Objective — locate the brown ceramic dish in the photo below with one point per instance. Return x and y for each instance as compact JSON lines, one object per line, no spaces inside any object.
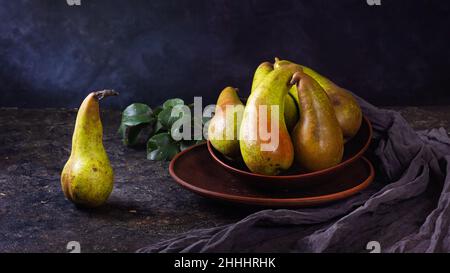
{"x":295,"y":177}
{"x":195,"y":170}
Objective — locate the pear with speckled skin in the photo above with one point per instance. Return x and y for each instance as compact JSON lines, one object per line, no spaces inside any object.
{"x":260,"y":73}
{"x":87,"y":177}
{"x":348,"y":112}
{"x":317,"y":137}
{"x":265,"y":143}
{"x":345,"y":106}
{"x":290,"y":107}
{"x":223,"y":130}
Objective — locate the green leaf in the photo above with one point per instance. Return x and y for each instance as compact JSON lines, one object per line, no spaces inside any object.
{"x":136,"y":135}
{"x":161,"y":147}
{"x":172,"y":102}
{"x":137,"y":124}
{"x":137,"y":113}
{"x":156,"y":111}
{"x":157,"y":127}
{"x":166,"y":119}
{"x":181,"y":123}
{"x":131,"y":136}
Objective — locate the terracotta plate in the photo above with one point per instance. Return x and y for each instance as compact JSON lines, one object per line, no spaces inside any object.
{"x":195,"y":170}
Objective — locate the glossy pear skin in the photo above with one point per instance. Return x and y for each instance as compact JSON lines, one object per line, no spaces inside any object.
{"x":260,"y":73}
{"x":346,"y":107}
{"x":317,"y":137}
{"x":87,"y":177}
{"x":271,"y":91}
{"x":224,"y":126}
{"x":291,"y":113}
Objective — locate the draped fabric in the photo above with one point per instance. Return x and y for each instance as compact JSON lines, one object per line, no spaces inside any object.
{"x":406,"y":209}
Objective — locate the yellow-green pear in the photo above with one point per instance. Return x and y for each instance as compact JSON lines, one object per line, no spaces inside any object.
{"x":317,"y":137}
{"x":87,"y":177}
{"x":260,"y":73}
{"x":291,"y":113}
{"x":348,"y":112}
{"x":223,"y":130}
{"x":265,"y":143}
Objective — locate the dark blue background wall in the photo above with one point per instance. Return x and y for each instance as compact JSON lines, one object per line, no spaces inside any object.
{"x":52,"y":54}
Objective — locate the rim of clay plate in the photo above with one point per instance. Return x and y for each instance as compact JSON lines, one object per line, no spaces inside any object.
{"x":313,"y":200}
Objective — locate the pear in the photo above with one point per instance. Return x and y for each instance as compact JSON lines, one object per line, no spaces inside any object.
{"x":317,"y":137}
{"x":261,"y":71}
{"x":265,"y":143}
{"x":223,"y":130}
{"x":347,"y":109}
{"x":279,"y":63}
{"x":87,"y":177}
{"x":291,"y":113}
{"x":348,"y":112}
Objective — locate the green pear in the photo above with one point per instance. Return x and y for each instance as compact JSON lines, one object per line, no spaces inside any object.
{"x":87,"y":177}
{"x":280,"y":63}
{"x":265,"y":143}
{"x":223,"y":130}
{"x":347,"y":109}
{"x":317,"y":137}
{"x":260,"y":73}
{"x":348,"y":112}
{"x":291,"y":113}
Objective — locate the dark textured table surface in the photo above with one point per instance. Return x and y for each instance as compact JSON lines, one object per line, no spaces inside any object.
{"x":145,"y":206}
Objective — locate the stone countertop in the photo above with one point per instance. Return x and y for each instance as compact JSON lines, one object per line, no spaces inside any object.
{"x":145,"y":207}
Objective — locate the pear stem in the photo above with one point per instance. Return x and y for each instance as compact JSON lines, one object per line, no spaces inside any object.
{"x":105,"y":93}
{"x":296,"y":77}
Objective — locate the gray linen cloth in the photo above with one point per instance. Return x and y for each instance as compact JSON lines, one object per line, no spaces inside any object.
{"x":407,"y":208}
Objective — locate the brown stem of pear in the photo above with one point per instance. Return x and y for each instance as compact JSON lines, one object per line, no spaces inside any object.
{"x":296,"y":77}
{"x":105,"y":93}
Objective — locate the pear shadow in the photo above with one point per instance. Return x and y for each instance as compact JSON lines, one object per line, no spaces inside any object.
{"x":117,"y":210}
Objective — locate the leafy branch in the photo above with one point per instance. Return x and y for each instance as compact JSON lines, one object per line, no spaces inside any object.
{"x":143,"y":127}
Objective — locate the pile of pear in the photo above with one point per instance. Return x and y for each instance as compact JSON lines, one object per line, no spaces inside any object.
{"x":316,"y":118}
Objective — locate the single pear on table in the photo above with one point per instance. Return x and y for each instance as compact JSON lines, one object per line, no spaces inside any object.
{"x":317,"y":137}
{"x":348,"y":112}
{"x":265,"y":143}
{"x":223,"y":130}
{"x":87,"y":177}
{"x":291,"y":114}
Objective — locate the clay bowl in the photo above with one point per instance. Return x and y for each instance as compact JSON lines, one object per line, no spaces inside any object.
{"x":295,"y":177}
{"x":195,"y":170}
